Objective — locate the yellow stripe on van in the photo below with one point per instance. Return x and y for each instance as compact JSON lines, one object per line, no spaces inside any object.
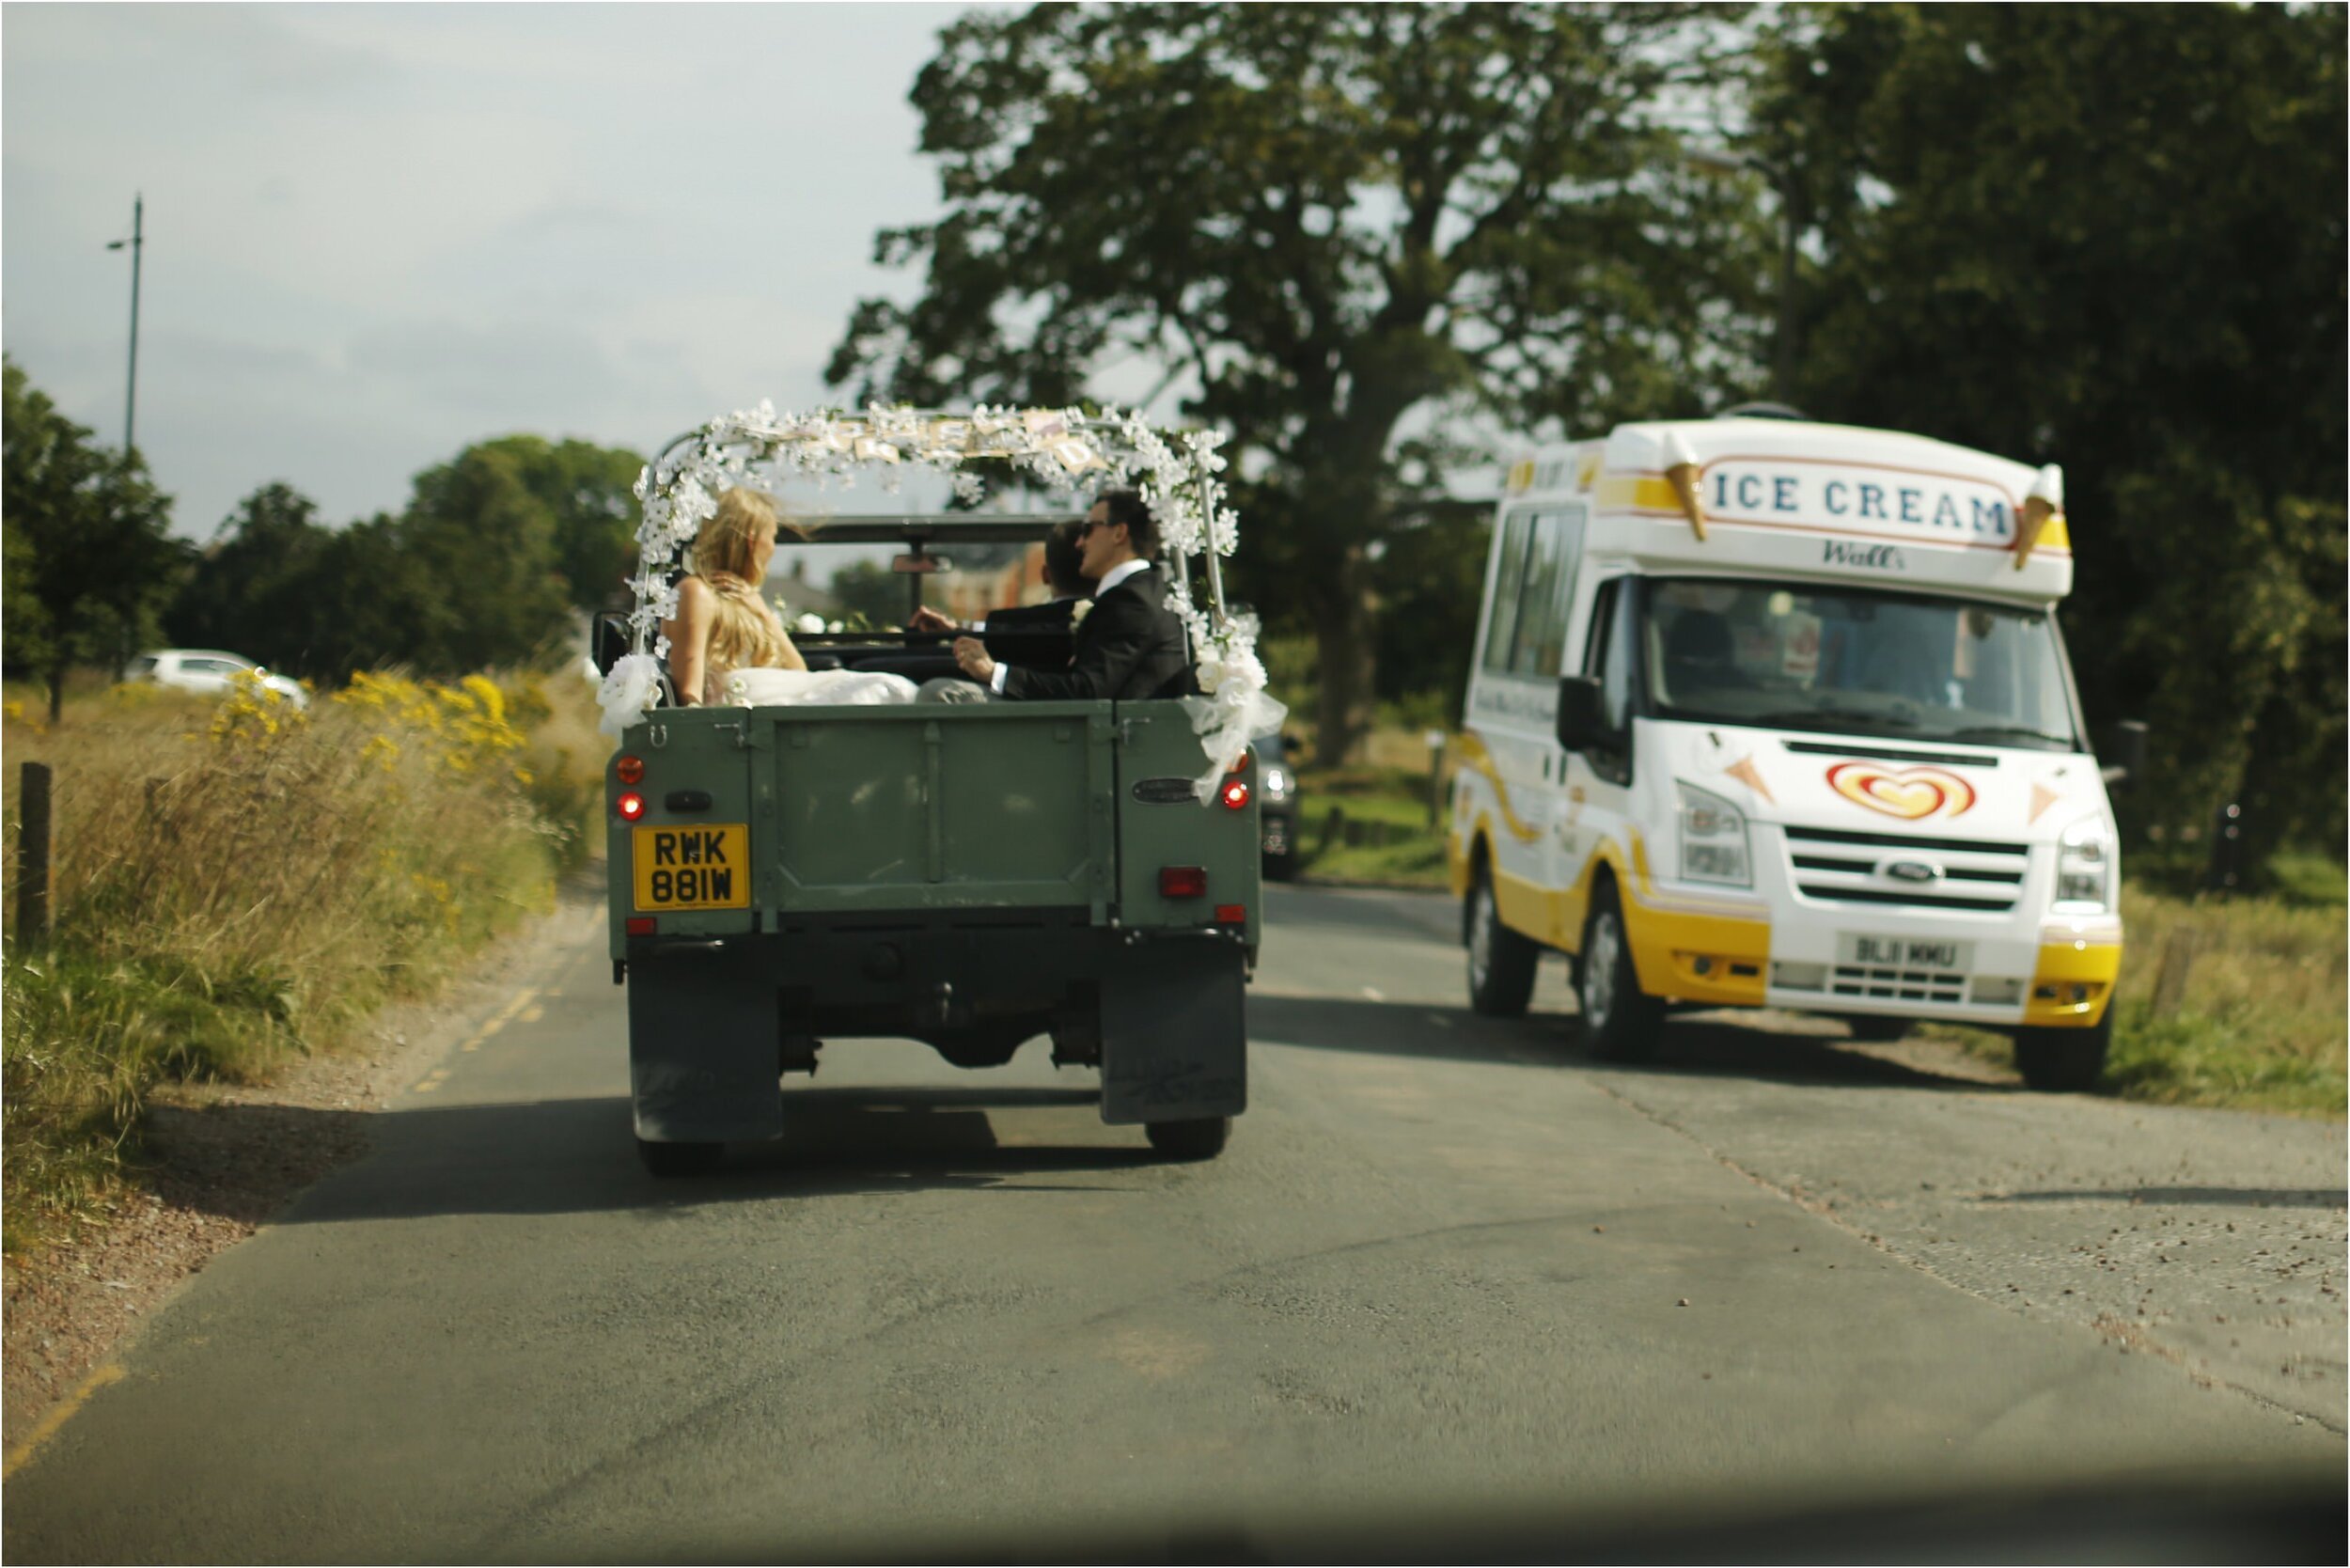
{"x":1699,"y":958}
{"x":2063,"y":967}
{"x":1639,"y":493}
{"x":1720,"y":960}
{"x":1475,"y":757}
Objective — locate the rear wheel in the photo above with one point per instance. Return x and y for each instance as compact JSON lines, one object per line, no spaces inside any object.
{"x":1620,"y":1022}
{"x":679,"y":1159}
{"x":2065,"y":1061}
{"x":1202,"y":1138}
{"x":1501,"y":962}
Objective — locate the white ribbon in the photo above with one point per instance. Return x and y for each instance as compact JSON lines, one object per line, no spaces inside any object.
{"x":628,"y":691}
{"x":1235,"y":710}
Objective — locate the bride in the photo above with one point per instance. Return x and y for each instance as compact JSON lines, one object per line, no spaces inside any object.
{"x":727,"y":645}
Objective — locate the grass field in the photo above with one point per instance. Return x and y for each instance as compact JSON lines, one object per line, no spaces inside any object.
{"x":236,"y":883}
{"x":2256,"y":1021}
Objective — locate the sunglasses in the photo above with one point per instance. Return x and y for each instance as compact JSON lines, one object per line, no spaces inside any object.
{"x":1086,"y":529}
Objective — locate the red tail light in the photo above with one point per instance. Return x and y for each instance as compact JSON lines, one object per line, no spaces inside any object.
{"x":1182,"y":882}
{"x":643,"y":925}
{"x":1240,"y":762}
{"x":1231,"y":914}
{"x":628,"y":770}
{"x":631,"y":805}
{"x":1234,"y":795}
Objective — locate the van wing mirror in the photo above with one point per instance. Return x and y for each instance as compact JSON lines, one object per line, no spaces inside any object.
{"x":2121,"y":752}
{"x":1582,"y":714}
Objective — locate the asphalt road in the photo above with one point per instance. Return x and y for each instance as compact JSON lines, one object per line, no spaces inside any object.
{"x":1447,"y":1266}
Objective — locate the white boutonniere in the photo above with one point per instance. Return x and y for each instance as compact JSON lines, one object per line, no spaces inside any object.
{"x":1085,"y":608}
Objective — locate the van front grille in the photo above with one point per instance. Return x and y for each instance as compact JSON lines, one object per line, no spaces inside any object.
{"x":1834,"y":866}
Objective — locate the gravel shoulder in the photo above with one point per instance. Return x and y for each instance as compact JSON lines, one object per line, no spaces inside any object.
{"x":220,"y":1161}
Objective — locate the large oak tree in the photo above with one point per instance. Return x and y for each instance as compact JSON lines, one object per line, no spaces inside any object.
{"x":2111,"y":237}
{"x":1327,"y":228}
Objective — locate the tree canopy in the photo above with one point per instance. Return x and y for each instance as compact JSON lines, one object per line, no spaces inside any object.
{"x":486,"y":565}
{"x":2110,"y":238}
{"x":1320,"y":224}
{"x":91,"y":560}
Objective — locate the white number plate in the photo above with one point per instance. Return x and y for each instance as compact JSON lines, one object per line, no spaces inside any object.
{"x":1904,"y":953}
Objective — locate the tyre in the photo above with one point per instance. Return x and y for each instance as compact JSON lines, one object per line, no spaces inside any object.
{"x":679,"y":1159}
{"x":1200,"y":1139}
{"x":1620,"y":1022}
{"x":1281,"y":867}
{"x":1500,"y":962}
{"x":2065,"y":1061}
{"x":1876,"y":1030}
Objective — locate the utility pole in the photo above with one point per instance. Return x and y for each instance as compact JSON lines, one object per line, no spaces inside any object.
{"x":137,"y":241}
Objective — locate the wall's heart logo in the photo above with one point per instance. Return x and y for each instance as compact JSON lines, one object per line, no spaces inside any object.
{"x":1906,"y":793}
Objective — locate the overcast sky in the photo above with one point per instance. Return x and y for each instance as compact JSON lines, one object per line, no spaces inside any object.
{"x":377,"y":233}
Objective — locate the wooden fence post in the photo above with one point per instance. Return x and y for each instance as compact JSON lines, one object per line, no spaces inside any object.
{"x":1333,"y":829}
{"x":33,"y":835}
{"x":2178,"y":961}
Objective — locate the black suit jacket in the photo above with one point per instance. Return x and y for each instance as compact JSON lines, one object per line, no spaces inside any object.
{"x":1129,"y":646}
{"x":1033,"y":636}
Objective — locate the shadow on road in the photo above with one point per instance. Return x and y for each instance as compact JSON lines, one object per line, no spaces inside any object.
{"x":579,"y":1156}
{"x":1699,"y":1045}
{"x":2244,"y":1198}
{"x":1425,"y":917}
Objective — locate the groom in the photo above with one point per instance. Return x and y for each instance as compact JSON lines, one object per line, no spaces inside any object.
{"x":1129,"y":646}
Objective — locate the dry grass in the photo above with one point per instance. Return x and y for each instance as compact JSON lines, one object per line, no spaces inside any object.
{"x":2258,"y":1023}
{"x":235,"y":883}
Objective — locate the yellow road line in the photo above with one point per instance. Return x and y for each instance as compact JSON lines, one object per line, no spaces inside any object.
{"x":506,"y":1016}
{"x":58,"y":1418}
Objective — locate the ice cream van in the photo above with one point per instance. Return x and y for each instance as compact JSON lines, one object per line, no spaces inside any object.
{"x":1772,"y":714}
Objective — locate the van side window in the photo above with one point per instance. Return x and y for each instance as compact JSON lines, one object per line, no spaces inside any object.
{"x":1531,"y":586}
{"x":1613,"y":655}
{"x":1550,"y":562}
{"x":1508,"y":575}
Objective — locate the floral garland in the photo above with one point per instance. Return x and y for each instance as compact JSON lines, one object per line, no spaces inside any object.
{"x":1056,"y":448}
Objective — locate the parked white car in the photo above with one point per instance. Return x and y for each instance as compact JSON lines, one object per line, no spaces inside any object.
{"x":208,"y":669}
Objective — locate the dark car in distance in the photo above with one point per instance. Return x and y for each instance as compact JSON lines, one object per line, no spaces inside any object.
{"x":1276,"y":805}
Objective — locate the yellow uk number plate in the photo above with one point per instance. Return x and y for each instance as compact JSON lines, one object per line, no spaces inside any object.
{"x":701,"y":866}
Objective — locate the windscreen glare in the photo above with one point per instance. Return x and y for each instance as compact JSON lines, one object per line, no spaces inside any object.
{"x":1852,"y":661}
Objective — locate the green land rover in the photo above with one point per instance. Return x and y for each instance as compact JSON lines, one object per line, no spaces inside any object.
{"x":972,"y":874}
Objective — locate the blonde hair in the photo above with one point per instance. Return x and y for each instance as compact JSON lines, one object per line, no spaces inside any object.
{"x":726,"y":538}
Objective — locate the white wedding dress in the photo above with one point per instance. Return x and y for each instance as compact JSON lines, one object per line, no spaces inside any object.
{"x":801,"y":688}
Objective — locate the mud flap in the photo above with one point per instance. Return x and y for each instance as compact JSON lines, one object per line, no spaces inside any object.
{"x":703,"y":1048}
{"x":1174,"y":1032}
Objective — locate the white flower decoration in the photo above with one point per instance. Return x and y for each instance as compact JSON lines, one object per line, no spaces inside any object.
{"x":628,"y":692}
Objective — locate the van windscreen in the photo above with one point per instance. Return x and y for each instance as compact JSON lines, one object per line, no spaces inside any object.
{"x":1854,"y":661}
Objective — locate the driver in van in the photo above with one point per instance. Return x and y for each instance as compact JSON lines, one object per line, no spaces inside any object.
{"x":1129,"y":646}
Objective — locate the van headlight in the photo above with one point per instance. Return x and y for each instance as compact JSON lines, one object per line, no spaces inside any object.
{"x":1276,"y":780}
{"x":1713,"y":838}
{"x":2086,"y":855}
